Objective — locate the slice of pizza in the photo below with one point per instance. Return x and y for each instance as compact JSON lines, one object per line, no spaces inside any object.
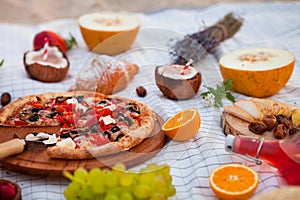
{"x":92,"y":124}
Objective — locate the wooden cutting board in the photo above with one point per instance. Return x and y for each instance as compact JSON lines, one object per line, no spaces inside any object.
{"x":36,"y":161}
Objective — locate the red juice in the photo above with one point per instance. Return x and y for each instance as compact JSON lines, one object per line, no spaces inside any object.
{"x":282,"y":154}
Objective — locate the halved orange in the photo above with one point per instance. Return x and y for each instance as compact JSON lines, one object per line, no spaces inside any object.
{"x":183,"y":125}
{"x":233,"y":181}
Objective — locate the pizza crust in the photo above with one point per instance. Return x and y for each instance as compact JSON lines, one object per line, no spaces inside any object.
{"x":68,"y":153}
{"x":14,"y":107}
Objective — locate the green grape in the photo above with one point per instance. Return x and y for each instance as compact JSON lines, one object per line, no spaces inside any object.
{"x":119,"y":169}
{"x":111,"y":180}
{"x":97,"y":185}
{"x":158,"y":196}
{"x":133,"y":174}
{"x":115,"y":190}
{"x":170,"y":190}
{"x":80,"y":175}
{"x":153,"y":167}
{"x":168,"y":179}
{"x":126,"y":179}
{"x":94,"y":173}
{"x":159,"y":183}
{"x":142,"y":191}
{"x":151,"y":183}
{"x":87,"y":193}
{"x":71,"y":192}
{"x":126,"y":196}
{"x":146,"y":178}
{"x":98,"y":197}
{"x":111,"y":197}
{"x":164,"y":170}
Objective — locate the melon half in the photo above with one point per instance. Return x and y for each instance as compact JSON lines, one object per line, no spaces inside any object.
{"x":257,"y":72}
{"x":109,"y":33}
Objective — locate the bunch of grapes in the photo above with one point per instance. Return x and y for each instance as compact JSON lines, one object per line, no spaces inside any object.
{"x":151,"y":183}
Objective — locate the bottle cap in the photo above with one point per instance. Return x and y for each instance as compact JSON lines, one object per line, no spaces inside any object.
{"x":229,"y":142}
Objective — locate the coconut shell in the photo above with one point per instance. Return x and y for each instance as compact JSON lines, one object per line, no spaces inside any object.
{"x":178,"y":89}
{"x":46,"y":73}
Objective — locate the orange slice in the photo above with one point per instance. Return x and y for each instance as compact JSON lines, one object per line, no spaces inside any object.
{"x":233,"y":181}
{"x":183,"y":125}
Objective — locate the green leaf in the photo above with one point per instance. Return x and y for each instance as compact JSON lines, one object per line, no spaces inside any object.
{"x":71,"y":42}
{"x":227,"y":84}
{"x":230,"y":97}
{"x":204,"y":94}
{"x":220,"y":93}
{"x":1,"y":62}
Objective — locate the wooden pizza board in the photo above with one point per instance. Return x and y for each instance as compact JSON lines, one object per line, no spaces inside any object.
{"x":236,"y":126}
{"x":37,"y":162}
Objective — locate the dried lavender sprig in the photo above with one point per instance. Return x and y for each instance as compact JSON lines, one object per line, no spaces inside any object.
{"x":198,"y":44}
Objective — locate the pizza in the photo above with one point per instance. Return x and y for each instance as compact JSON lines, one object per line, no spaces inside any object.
{"x":91,"y":124}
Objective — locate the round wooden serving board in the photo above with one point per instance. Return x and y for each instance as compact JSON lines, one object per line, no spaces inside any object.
{"x":36,"y":161}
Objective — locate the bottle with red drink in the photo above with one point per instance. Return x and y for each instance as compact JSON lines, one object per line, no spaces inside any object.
{"x":282,"y":154}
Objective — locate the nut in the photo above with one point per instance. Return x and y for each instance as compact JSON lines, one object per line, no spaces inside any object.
{"x":294,"y":129}
{"x":5,"y":98}
{"x":257,"y":127}
{"x":280,"y":131}
{"x":270,"y":121}
{"x":282,"y":119}
{"x":141,"y":91}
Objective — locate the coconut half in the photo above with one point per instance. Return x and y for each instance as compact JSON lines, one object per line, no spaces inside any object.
{"x":178,"y":81}
{"x":50,"y":68}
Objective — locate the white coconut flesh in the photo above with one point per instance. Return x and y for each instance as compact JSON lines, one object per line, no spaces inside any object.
{"x":54,"y":58}
{"x":109,"y":21}
{"x":257,"y":59}
{"x":177,"y":72}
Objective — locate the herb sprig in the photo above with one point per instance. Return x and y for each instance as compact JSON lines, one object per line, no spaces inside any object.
{"x":215,"y":96}
{"x":71,"y":42}
{"x":1,"y":62}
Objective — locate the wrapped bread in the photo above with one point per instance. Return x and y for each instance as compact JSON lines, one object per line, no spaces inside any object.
{"x":106,"y":75}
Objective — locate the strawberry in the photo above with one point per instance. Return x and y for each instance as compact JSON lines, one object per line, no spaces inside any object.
{"x":54,"y":39}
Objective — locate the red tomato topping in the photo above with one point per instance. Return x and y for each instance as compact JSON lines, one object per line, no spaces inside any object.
{"x":20,"y":123}
{"x":60,"y":109}
{"x":104,"y":112}
{"x":60,"y":119}
{"x":69,"y":107}
{"x":98,"y":139}
{"x":37,"y":105}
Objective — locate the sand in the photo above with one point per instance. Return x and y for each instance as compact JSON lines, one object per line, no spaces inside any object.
{"x":36,"y":11}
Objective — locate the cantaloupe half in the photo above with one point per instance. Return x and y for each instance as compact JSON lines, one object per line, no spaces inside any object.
{"x":257,"y":72}
{"x":109,"y":33}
